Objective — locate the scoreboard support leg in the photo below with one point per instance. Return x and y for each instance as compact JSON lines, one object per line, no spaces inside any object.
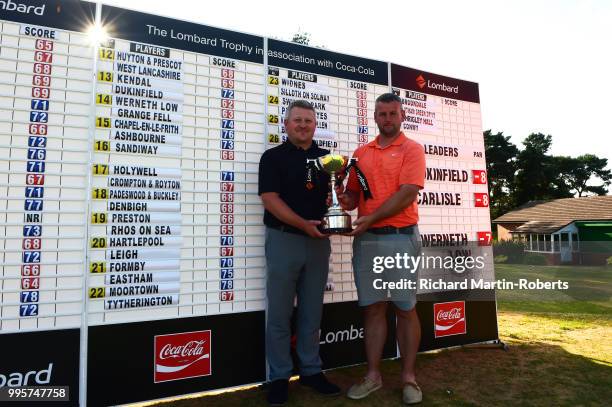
{"x":496,"y":344}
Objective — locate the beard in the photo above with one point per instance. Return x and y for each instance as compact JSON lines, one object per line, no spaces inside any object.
{"x":390,"y":131}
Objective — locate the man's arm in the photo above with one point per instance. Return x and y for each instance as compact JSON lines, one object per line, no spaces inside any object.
{"x":275,"y":205}
{"x":404,"y":197}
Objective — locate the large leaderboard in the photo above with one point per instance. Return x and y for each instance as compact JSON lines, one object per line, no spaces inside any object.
{"x":132,"y":229}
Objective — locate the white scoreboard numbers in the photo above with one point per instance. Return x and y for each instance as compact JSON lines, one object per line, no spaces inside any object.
{"x":45,"y":93}
{"x":132,"y":230}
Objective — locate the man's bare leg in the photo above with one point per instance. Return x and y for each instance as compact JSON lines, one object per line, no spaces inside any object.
{"x":375,"y":327}
{"x":408,"y":338}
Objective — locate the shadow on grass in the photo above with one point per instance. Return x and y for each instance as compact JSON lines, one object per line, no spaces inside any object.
{"x":535,"y":374}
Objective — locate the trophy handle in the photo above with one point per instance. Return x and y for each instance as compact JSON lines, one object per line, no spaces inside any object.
{"x":315,"y":163}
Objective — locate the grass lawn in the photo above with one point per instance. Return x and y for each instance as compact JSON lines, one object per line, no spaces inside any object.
{"x":590,"y":289}
{"x":560,"y":354}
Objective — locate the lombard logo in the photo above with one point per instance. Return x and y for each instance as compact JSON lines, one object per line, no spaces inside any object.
{"x":345,"y":335}
{"x":10,"y":5}
{"x":182,"y":355}
{"x":31,"y":378}
{"x":422,"y":82}
{"x":449,"y":318}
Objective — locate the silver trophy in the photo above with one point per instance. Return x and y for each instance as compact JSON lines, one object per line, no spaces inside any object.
{"x":336,"y":220}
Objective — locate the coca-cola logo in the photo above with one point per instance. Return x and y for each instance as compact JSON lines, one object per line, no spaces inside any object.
{"x":192,"y":348}
{"x":182,"y":355}
{"x":449,"y":318}
{"x":455,"y":313}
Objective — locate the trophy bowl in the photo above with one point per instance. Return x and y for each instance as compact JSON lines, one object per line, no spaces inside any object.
{"x":336,"y":220}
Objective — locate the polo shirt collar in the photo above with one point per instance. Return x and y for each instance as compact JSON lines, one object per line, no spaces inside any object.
{"x":399,"y":140}
{"x":290,"y":145}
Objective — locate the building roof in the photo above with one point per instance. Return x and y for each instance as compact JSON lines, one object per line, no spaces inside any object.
{"x":549,"y":216}
{"x":536,"y":226}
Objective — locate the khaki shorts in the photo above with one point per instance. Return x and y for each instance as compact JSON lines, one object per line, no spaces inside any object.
{"x":375,"y":273}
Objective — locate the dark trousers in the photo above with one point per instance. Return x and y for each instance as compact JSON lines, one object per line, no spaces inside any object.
{"x":296,"y":265}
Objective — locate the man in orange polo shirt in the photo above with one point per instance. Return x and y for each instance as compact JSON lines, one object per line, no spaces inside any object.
{"x":386,"y":235}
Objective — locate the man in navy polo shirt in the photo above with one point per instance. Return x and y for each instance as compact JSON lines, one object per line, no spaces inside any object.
{"x":297,"y":253}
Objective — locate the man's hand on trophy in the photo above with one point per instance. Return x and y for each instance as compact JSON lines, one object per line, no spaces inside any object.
{"x":361,"y":225}
{"x":312,"y":230}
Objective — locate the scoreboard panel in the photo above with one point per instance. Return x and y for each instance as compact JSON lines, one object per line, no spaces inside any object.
{"x":443,"y":114}
{"x":175,"y":216}
{"x":128,"y":195}
{"x":135,"y":226}
{"x":45,"y":99}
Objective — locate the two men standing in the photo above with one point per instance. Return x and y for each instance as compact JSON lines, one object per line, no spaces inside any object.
{"x":297,"y":253}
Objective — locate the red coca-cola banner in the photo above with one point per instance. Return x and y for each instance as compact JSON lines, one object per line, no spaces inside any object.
{"x":182,"y":355}
{"x":449,"y":318}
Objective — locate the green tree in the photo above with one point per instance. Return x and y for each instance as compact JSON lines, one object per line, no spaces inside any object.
{"x":538,"y":176}
{"x":301,"y":38}
{"x":501,"y":156}
{"x":561,"y":166}
{"x":577,"y":172}
{"x":516,"y":177}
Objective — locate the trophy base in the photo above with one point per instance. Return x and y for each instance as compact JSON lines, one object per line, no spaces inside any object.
{"x":336,"y":224}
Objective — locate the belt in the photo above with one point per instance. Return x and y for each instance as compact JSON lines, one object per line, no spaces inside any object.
{"x":392,"y":230}
{"x":288,"y":229}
